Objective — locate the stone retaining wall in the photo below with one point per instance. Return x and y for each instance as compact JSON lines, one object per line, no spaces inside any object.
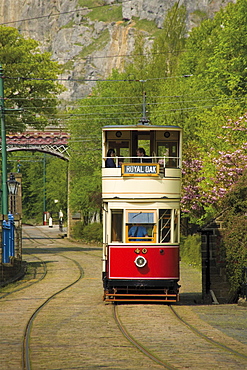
{"x":215,"y":287}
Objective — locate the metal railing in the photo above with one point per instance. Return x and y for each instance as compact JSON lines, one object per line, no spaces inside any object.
{"x":165,"y":162}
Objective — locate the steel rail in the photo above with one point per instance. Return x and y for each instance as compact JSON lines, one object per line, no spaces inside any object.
{"x":26,"y":361}
{"x":208,"y":339}
{"x":31,"y":282}
{"x":139,"y":346}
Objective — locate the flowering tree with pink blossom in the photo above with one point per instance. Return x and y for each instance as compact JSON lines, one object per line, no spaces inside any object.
{"x":203,"y":194}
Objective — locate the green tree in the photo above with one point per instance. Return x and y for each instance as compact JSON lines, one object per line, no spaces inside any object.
{"x":44,"y":179}
{"x":216,"y":56}
{"x":208,"y":86}
{"x":32,"y":186}
{"x":56,"y":185}
{"x":207,"y":180}
{"x":85,"y":160}
{"x":192,"y":91}
{"x":29,"y":81}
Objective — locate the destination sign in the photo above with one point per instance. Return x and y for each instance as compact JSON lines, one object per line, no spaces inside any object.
{"x":140,"y":169}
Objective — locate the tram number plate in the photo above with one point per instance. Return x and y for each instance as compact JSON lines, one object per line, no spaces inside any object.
{"x":140,"y":169}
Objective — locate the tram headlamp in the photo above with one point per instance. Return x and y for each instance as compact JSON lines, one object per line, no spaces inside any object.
{"x":118,"y":134}
{"x":167,"y":134}
{"x":140,"y":261}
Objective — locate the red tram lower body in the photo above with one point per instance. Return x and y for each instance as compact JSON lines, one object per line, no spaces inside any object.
{"x":142,"y":273}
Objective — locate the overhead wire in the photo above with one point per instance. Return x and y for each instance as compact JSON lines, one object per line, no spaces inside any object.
{"x":75,"y":107}
{"x":59,"y":115}
{"x":94,"y":80}
{"x":117,"y":118}
{"x":131,"y":117}
{"x":91,"y":97}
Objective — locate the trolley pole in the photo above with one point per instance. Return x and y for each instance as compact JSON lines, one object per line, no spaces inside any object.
{"x":144,"y":120}
{"x":4,"y":150}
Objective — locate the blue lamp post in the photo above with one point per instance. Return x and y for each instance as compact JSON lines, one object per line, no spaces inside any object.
{"x":13,"y":189}
{"x":9,"y":226}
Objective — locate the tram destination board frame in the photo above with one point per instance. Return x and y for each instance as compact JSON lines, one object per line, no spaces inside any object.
{"x":140,"y":169}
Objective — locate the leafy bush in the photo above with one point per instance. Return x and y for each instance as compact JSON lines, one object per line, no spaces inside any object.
{"x":77,"y":229}
{"x":190,"y":250}
{"x":38,"y":220}
{"x":235,"y":242}
{"x":91,"y":233}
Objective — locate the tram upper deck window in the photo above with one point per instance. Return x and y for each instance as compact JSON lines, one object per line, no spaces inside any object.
{"x":140,"y":226}
{"x":169,"y":150}
{"x":121,"y":149}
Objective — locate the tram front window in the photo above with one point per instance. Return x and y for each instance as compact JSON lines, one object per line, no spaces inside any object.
{"x":140,"y":227}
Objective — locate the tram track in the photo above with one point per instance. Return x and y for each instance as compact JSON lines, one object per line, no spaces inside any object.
{"x":162,"y":342}
{"x":26,"y":283}
{"x":138,"y":345}
{"x":38,"y":243}
{"x":26,"y":359}
{"x":205,"y":337}
{"x":33,"y":279}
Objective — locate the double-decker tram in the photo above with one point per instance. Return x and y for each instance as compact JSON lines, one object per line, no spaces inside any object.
{"x":141,"y":186}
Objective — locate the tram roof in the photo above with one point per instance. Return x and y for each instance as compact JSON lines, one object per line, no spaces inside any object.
{"x":140,"y":127}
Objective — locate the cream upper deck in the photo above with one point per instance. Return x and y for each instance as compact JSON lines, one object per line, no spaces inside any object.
{"x":114,"y":185}
{"x":155,"y":176}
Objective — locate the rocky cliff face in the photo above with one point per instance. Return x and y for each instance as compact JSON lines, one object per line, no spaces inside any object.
{"x":88,"y":42}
